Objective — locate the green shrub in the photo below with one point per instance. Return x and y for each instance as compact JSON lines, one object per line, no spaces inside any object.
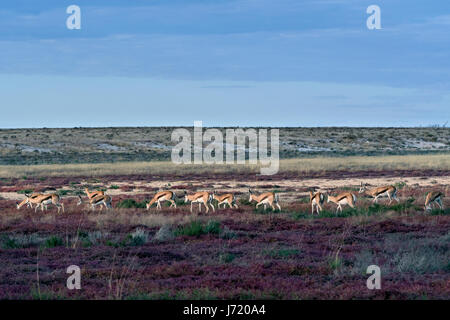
{"x":244,"y":201}
{"x":25,"y":191}
{"x":196,"y":228}
{"x":110,"y":243}
{"x":114,"y":186}
{"x":227,"y":257}
{"x":63,"y":192}
{"x":403,"y":206}
{"x":53,"y":241}
{"x":131,"y":203}
{"x":212,"y":227}
{"x":400,"y":185}
{"x":10,"y":243}
{"x":437,"y":212}
{"x":282,"y":253}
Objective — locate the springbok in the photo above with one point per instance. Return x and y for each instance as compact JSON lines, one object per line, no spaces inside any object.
{"x":345,"y":198}
{"x":97,"y":201}
{"x":93,"y":194}
{"x":225,"y":199}
{"x":433,"y":197}
{"x":26,"y":201}
{"x":316,"y":199}
{"x":390,"y":191}
{"x":43,"y":200}
{"x":267,"y":198}
{"x":200,"y":197}
{"x":162,"y":196}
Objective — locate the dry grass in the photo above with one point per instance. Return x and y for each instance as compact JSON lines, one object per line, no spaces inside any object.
{"x":122,"y":217}
{"x":438,"y":161}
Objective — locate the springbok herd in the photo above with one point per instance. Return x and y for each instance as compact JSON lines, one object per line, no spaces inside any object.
{"x":317,"y":199}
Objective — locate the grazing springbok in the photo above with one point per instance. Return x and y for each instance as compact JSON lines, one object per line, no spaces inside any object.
{"x":316,"y":199}
{"x":345,"y":198}
{"x":27,"y":202}
{"x":93,"y":194}
{"x":42,"y":201}
{"x":225,"y":199}
{"x":162,"y":196}
{"x":267,"y":198}
{"x":390,"y":191}
{"x":433,"y":197}
{"x":200,"y":197}
{"x":99,"y":200}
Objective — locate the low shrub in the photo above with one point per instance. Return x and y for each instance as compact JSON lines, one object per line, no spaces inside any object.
{"x":212,"y":227}
{"x":282,"y":253}
{"x":131,"y":203}
{"x":197,"y":228}
{"x":164,"y":234}
{"x":63,"y":192}
{"x":227,"y":257}
{"x":53,"y":241}
{"x":25,"y":191}
{"x":10,"y":243}
{"x":138,"y":238}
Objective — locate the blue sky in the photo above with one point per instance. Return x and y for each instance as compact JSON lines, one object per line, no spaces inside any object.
{"x":225,"y":62}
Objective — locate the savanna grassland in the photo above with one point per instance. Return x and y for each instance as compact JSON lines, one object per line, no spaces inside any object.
{"x":245,"y":253}
{"x":131,"y":253}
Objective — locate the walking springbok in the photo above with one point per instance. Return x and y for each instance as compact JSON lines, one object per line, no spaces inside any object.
{"x":267,"y":198}
{"x":345,"y":198}
{"x":200,"y":197}
{"x":316,"y":199}
{"x":99,"y":200}
{"x":433,"y":197}
{"x":390,"y":191}
{"x":43,"y":200}
{"x":93,"y":194}
{"x":225,"y":199}
{"x":162,"y":196}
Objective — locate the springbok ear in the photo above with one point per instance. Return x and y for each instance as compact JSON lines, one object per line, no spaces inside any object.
{"x":27,"y":195}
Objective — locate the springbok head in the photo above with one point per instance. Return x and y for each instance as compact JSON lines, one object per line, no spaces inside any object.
{"x":250,"y":193}
{"x":362,"y":187}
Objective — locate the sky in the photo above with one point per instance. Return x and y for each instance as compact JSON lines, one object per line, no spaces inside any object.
{"x":224,"y":62}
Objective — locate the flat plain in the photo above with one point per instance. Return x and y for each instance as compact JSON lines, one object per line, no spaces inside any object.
{"x":132,"y":253}
{"x":245,"y":253}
